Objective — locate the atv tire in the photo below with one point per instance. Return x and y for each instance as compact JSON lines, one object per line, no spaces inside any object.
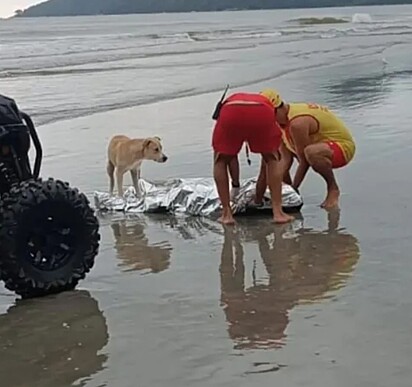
{"x":8,"y":179}
{"x":49,"y":238}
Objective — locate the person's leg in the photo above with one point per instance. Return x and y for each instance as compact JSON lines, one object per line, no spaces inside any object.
{"x":227,"y":141}
{"x":234,"y":172}
{"x":220,"y":174}
{"x":274,"y":178}
{"x":322,"y":159}
{"x":264,"y":137}
{"x":287,"y":161}
{"x":261,"y":183}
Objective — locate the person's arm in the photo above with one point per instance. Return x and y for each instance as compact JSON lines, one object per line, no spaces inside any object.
{"x":287,"y":161}
{"x":234,"y":172}
{"x":300,"y":130}
{"x":261,"y":183}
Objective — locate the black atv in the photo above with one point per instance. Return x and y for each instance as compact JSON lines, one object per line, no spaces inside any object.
{"x":49,"y":234}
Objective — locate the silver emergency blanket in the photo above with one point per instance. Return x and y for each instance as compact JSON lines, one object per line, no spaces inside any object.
{"x":195,"y":197}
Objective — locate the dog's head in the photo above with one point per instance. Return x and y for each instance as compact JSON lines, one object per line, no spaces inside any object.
{"x":153,"y":150}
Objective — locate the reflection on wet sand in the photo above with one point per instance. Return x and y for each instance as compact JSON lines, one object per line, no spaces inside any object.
{"x":300,"y":269}
{"x":52,"y":342}
{"x":135,"y":252}
{"x":354,"y":91}
{"x":358,"y":91}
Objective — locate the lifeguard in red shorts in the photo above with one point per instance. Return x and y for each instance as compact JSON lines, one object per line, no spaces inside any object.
{"x":248,"y":117}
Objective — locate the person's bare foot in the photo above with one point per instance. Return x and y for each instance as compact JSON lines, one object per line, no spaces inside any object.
{"x":227,"y":217}
{"x":282,"y":218}
{"x":332,"y":200}
{"x":255,"y":204}
{"x":226,"y":220}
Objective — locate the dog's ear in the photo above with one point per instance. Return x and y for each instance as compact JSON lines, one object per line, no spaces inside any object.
{"x":158,"y":138}
{"x":146,"y":142}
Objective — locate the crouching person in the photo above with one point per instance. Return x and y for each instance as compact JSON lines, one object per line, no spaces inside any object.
{"x":251,"y":118}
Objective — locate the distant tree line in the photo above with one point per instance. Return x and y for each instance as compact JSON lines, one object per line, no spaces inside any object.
{"x":107,"y":7}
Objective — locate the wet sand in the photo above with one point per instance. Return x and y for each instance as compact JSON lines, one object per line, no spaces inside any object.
{"x":183,"y":302}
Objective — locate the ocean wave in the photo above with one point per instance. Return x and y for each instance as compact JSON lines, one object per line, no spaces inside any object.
{"x":72,"y":111}
{"x":177,"y":37}
{"x":241,"y":35}
{"x":361,"y":18}
{"x":196,"y":41}
{"x":287,"y":31}
{"x":116,"y":60}
{"x":328,"y":36}
{"x":214,"y":35}
{"x":77,"y":70}
{"x":63,"y":71}
{"x":80,"y":58}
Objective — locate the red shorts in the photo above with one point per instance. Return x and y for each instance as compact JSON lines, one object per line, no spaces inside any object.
{"x":338,"y":157}
{"x":250,"y":118}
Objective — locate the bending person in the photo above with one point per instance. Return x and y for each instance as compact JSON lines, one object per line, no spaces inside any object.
{"x":317,"y":138}
{"x":247,"y":117}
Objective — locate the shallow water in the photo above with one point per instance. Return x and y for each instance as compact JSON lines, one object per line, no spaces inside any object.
{"x":174,"y":302}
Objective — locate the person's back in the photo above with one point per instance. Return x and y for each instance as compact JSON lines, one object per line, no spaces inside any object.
{"x":331,"y":127}
{"x":248,"y":98}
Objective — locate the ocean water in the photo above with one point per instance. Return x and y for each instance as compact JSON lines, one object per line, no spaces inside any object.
{"x":172,"y":302}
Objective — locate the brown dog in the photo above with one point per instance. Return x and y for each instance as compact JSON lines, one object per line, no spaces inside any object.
{"x":127,"y":154}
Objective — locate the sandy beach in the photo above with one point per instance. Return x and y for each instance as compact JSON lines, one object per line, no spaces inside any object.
{"x":183,"y":302}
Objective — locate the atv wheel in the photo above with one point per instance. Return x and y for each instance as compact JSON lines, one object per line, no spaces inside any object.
{"x":8,"y":178}
{"x":48,"y":238}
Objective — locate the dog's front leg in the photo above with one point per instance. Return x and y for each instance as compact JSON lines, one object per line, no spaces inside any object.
{"x":119,"y":180}
{"x":135,"y":179}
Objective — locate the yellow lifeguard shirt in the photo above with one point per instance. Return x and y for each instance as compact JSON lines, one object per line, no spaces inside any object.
{"x":330,"y":128}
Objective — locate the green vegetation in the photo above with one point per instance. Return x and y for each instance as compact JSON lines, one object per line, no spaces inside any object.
{"x":323,"y":20}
